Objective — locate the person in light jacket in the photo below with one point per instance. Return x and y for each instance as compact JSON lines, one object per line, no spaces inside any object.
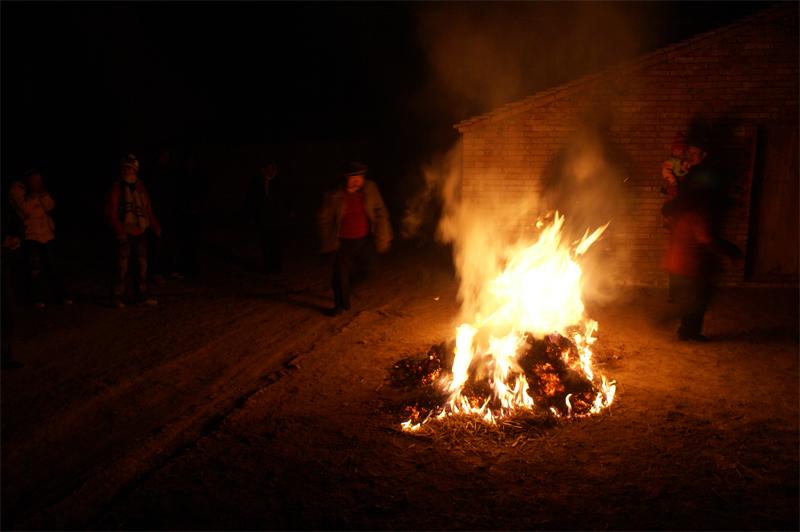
{"x":33,"y":204}
{"x":130,"y":215}
{"x":352,"y":220}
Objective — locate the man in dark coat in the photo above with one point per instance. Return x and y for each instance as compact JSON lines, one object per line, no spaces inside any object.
{"x":270,"y":207}
{"x":12,"y":232}
{"x":353,"y":218}
{"x":696,"y":243}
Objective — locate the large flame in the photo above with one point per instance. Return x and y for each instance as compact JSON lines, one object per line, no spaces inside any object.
{"x":536,"y":294}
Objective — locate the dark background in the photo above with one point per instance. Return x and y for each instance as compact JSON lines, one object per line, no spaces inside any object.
{"x":311,"y":84}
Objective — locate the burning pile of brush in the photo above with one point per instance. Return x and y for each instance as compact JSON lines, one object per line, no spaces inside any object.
{"x":528,"y":348}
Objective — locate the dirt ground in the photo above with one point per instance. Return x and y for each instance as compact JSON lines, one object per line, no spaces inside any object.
{"x":236,"y":404}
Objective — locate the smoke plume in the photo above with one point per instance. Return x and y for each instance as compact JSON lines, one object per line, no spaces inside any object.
{"x":485,"y":55}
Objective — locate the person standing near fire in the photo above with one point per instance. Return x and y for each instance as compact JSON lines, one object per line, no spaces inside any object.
{"x":352,"y":220}
{"x":12,"y":233}
{"x":695,"y":243}
{"x":270,"y":204}
{"x":130,"y":215}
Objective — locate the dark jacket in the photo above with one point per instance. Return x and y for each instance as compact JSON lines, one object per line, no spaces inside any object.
{"x":269,"y":208}
{"x":330,"y":217}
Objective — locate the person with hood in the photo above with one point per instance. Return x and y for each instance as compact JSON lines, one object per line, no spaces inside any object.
{"x":130,"y":215}
{"x":33,"y":204}
{"x":352,"y":220}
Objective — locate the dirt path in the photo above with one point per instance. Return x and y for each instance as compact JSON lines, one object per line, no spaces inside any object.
{"x":247,"y":409}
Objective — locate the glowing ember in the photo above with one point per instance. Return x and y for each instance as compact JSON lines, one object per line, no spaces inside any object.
{"x":530,"y":342}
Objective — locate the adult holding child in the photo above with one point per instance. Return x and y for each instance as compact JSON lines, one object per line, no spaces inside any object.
{"x":696,"y":242}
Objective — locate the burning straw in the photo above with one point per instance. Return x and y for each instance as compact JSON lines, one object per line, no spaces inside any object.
{"x":526,"y":354}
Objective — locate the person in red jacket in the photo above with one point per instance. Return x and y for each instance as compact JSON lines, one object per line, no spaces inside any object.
{"x":692,"y":258}
{"x":130,"y":215}
{"x":353,"y":221}
{"x":690,"y":263}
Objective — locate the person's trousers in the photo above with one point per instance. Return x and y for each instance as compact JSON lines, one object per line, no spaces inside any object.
{"x":135,"y":246}
{"x":7,"y":305}
{"x":44,"y":271}
{"x":671,"y":288}
{"x":271,"y":240}
{"x":353,"y":255}
{"x":693,"y":295}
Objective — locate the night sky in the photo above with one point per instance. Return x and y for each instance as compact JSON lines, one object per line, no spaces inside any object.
{"x":83,"y":83}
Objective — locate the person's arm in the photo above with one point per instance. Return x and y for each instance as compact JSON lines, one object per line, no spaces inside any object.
{"x":18,"y":201}
{"x":701,"y":230}
{"x":47,"y":201}
{"x":702,"y":234}
{"x":727,"y":248}
{"x":326,"y":221}
{"x":112,"y":212}
{"x":383,"y":227}
{"x":667,"y":172}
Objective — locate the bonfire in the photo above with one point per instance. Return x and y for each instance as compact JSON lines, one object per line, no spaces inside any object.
{"x":528,"y":347}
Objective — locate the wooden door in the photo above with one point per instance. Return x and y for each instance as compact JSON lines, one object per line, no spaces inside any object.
{"x":774,"y":236}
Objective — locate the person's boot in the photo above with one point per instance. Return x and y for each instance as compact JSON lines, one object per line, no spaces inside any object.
{"x":144,"y":298}
{"x":117,"y":294}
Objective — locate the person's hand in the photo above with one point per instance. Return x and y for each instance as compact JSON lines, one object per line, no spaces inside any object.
{"x":12,"y":242}
{"x":383,"y":246}
{"x":122,"y":238}
{"x":158,"y":232}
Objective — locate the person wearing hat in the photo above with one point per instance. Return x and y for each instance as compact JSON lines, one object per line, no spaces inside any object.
{"x":353,"y":218}
{"x":130,"y":215}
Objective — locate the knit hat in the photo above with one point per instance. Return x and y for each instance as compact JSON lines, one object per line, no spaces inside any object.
{"x":355,"y":168}
{"x":130,"y":160}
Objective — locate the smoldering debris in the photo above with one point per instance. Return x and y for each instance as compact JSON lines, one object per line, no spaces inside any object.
{"x":558,"y":388}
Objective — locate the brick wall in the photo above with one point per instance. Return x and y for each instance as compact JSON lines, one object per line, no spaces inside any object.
{"x":742,"y":79}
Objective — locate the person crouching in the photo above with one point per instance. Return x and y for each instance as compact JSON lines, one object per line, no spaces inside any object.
{"x":353,"y":218}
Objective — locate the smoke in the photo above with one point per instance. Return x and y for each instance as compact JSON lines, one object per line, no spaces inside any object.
{"x":485,"y":55}
{"x":585,"y":181}
{"x":420,"y":208}
{"x":482,"y":231}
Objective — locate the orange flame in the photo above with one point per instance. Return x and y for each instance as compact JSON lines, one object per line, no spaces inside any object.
{"x":537,"y":292}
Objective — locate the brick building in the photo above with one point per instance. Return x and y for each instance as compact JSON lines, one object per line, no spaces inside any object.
{"x":738,"y":83}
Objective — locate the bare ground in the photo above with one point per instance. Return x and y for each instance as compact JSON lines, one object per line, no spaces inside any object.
{"x":235,"y":404}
